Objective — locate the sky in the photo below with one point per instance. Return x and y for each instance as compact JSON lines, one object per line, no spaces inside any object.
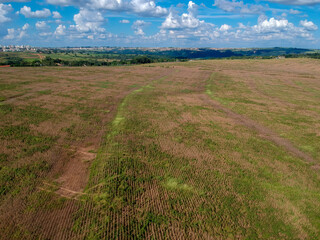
{"x":159,"y":23}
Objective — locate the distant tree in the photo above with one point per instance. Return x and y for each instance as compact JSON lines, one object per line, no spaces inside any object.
{"x":141,"y":60}
{"x":36,"y":63}
{"x":48,"y":61}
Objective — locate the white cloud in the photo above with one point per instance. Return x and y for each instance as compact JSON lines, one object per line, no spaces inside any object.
{"x":308,"y":25}
{"x":60,"y":30}
{"x":88,"y":24}
{"x":140,"y":7}
{"x":26,"y":11}
{"x":41,"y":25}
{"x":267,"y":30}
{"x":147,"y":8}
{"x":25,"y":27}
{"x":186,"y":20}
{"x":138,"y":26}
{"x":17,"y":34}
{"x":241,"y":25}
{"x":239,"y":7}
{"x":172,"y":22}
{"x":274,"y":29}
{"x":124,"y":21}
{"x":56,"y":14}
{"x":272,"y":25}
{"x":296,"y":2}
{"x":11,"y":34}
{"x":108,"y":4}
{"x":4,"y":10}
{"x":88,"y":21}
{"x":187,"y":27}
{"x":225,"y":27}
{"x":193,"y":8}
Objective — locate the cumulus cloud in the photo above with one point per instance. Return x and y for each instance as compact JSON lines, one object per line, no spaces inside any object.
{"x":43,"y":28}
{"x":88,"y":24}
{"x":25,"y":27}
{"x":272,"y":25}
{"x":138,"y":26}
{"x":60,"y":30}
{"x":241,"y":26}
{"x":4,"y":10}
{"x":225,"y":27}
{"x":296,"y":2}
{"x":274,"y":29}
{"x":17,"y":33}
{"x":141,"y":7}
{"x":187,"y":27}
{"x":108,"y":4}
{"x":147,"y":8}
{"x":88,"y":21}
{"x":239,"y":7}
{"x":177,"y":27}
{"x":308,"y":25}
{"x":11,"y":34}
{"x":27,"y":12}
{"x":265,"y":30}
{"x":41,"y":25}
{"x":56,"y":15}
{"x":186,"y":20}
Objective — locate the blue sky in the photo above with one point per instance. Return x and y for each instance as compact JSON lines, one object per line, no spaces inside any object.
{"x":147,"y":23}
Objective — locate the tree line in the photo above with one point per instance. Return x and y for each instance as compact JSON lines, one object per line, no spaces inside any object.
{"x":48,"y":61}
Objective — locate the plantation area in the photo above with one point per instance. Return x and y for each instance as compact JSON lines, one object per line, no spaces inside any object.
{"x":215,"y":149}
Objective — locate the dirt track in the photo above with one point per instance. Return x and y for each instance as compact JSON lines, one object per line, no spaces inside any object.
{"x":263,"y":131}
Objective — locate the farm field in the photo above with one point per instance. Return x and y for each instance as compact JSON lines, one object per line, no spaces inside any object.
{"x":215,"y":149}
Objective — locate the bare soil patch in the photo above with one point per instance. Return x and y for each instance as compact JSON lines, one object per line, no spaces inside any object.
{"x":75,"y":176}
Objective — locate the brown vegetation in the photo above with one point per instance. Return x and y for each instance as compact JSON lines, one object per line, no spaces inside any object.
{"x":196,"y":150}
